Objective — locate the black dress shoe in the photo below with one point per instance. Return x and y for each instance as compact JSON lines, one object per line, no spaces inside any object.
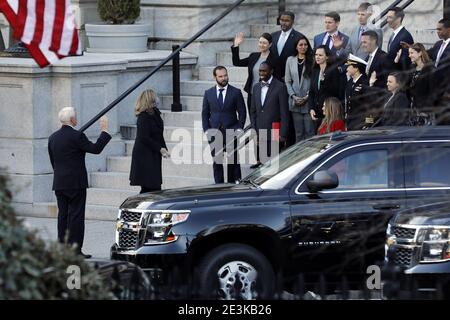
{"x":256,"y":165}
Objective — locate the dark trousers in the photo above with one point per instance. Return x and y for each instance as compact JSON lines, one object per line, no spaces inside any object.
{"x":145,"y":189}
{"x":233,"y":167}
{"x":71,"y":212}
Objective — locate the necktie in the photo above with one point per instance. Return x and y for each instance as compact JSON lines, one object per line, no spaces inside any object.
{"x":281,"y":42}
{"x":328,"y":41}
{"x":439,"y":55}
{"x":220,"y":99}
{"x":362,"y":29}
{"x":390,"y":41}
{"x":264,"y":84}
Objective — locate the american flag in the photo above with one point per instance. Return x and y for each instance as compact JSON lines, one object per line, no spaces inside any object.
{"x":46,"y":27}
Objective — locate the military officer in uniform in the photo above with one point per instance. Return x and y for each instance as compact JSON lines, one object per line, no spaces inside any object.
{"x":356,"y":93}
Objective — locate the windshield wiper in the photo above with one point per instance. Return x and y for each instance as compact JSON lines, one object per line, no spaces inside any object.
{"x":250,"y":181}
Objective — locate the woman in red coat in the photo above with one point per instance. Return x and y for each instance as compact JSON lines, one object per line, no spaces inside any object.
{"x":333,"y":120}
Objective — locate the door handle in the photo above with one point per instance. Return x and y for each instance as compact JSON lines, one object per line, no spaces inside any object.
{"x":386,"y":206}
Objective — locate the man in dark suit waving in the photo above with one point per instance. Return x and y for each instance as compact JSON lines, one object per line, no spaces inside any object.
{"x":67,"y":149}
{"x":223,"y":113}
{"x":284,"y":43}
{"x":397,"y":39}
{"x":269,"y":110}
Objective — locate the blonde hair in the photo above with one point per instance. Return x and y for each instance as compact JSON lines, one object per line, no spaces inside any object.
{"x":333,"y":111}
{"x":146,"y":102}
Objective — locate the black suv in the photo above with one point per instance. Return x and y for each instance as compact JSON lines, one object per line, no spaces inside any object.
{"x":418,"y":253}
{"x":321,"y":206}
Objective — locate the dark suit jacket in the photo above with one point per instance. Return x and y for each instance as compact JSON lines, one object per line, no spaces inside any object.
{"x":442,"y":73}
{"x":382,"y":65}
{"x":67,"y":149}
{"x":396,"y":112}
{"x":343,"y":51}
{"x":289,"y":49}
{"x":275,"y":108}
{"x":445,"y":58}
{"x":233,"y":114}
{"x":146,"y":160}
{"x":250,"y":62}
{"x":329,"y":87}
{"x":404,"y":62}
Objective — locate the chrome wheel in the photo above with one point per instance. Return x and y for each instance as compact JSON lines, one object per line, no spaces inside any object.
{"x":237,"y":280}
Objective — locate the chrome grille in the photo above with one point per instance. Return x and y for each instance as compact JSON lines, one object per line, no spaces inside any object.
{"x":128,"y":238}
{"x":128,"y":216}
{"x":403,"y":256}
{"x":403,"y":233}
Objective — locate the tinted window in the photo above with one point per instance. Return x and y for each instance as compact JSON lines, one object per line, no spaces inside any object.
{"x":362,"y":170}
{"x":430,"y":167}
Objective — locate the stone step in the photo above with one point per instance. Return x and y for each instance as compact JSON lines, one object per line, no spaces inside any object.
{"x":170,"y":167}
{"x":235,"y":74}
{"x":249,"y":45}
{"x":256,"y":30}
{"x":181,"y":119}
{"x":198,"y":87}
{"x":93,"y":212}
{"x":120,"y":180}
{"x":109,"y":197}
{"x":226,"y":58}
{"x":189,"y":103}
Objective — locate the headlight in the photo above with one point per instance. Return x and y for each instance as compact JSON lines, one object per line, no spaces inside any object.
{"x":159,"y":226}
{"x":435,"y":244}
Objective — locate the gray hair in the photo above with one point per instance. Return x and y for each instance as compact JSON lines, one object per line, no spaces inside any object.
{"x":65,"y":114}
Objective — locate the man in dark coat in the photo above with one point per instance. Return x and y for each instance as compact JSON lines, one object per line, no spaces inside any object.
{"x":440,"y":54}
{"x":377,"y":60}
{"x":67,"y":149}
{"x":269,"y":110}
{"x":223,"y":113}
{"x":399,"y":36}
{"x":284,"y":44}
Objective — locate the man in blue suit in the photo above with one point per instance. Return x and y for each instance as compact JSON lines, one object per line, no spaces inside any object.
{"x":397,"y":39}
{"x":337,"y":41}
{"x":223,"y":113}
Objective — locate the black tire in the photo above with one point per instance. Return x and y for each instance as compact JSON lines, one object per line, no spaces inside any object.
{"x":247,"y":261}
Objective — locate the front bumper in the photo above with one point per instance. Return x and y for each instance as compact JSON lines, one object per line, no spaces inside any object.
{"x":423,"y":281}
{"x":158,"y":260}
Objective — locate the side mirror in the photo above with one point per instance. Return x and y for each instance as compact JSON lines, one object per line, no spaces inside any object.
{"x":322,"y":180}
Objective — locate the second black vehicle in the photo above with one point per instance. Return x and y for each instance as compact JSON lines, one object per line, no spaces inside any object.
{"x":320,"y":208}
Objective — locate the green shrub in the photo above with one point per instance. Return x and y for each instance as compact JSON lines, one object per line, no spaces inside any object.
{"x":32,"y":269}
{"x":119,"y":11}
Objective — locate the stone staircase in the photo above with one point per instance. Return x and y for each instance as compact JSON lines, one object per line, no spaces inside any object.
{"x":109,"y":189}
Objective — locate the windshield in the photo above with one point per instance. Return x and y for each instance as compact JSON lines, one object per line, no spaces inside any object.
{"x":276,"y":173}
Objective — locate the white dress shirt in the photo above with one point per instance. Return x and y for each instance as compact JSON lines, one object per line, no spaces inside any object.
{"x":282,"y":40}
{"x":325,"y":39}
{"x":264,"y":91}
{"x":441,"y":51}
{"x":370,"y":60}
{"x":224,"y":92}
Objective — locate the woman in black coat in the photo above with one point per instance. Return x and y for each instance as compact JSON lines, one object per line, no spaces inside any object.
{"x":149,"y":146}
{"x":396,"y":110}
{"x":253,"y":60}
{"x":422,"y":84}
{"x":325,"y":82}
